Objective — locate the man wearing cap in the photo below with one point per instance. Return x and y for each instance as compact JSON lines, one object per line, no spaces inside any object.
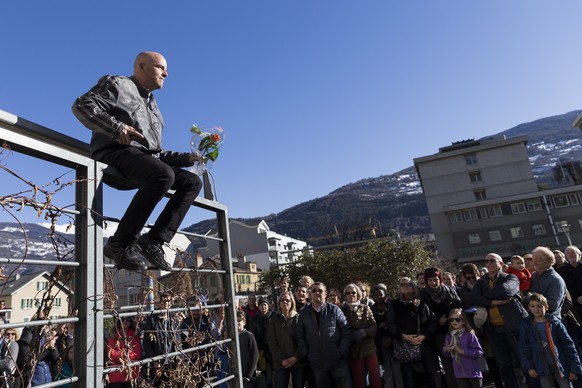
{"x":499,"y":293}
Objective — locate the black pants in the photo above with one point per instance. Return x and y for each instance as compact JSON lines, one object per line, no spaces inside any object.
{"x":155,"y":178}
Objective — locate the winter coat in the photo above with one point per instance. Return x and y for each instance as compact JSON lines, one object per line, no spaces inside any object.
{"x":281,"y":340}
{"x":450,"y":301}
{"x":551,"y":285}
{"x":118,"y":352}
{"x":532,"y":355}
{"x":364,"y":329}
{"x":505,"y":287}
{"x":468,"y":366}
{"x":249,"y":353}
{"x":327,"y":344}
{"x":259,"y":328}
{"x":404,"y":318}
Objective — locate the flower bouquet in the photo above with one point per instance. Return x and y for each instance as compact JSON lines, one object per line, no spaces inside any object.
{"x":205,"y":144}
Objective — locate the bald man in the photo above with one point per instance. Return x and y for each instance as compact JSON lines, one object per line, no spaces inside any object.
{"x":127,"y":134}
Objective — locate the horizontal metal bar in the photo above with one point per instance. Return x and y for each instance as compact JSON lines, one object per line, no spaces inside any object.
{"x":40,"y":322}
{"x":172,"y":310}
{"x":41,"y":204}
{"x":58,"y":383}
{"x":40,"y":262}
{"x":221,"y":271}
{"x":144,"y":361}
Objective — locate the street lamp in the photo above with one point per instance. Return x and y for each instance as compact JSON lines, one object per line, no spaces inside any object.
{"x":566,"y":229}
{"x":127,"y":288}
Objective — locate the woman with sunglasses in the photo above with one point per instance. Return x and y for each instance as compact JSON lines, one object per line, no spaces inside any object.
{"x":363,"y":359}
{"x":8,"y":356}
{"x":463,"y":348}
{"x":411,"y":320}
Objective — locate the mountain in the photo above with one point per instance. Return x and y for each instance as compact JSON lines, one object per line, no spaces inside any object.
{"x":385,"y":204}
{"x":395,"y":202}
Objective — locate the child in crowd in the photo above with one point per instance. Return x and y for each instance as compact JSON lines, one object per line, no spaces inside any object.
{"x":462,"y":345}
{"x":249,"y":351}
{"x":546,"y":350}
{"x":517,"y":268}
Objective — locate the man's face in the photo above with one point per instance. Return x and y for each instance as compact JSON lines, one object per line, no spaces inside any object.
{"x":264,"y":308}
{"x":572,"y":256}
{"x":252,"y":300}
{"x":493,"y":265}
{"x":153,"y":71}
{"x":540,"y":262}
{"x":284,"y":285}
{"x":301,"y":294}
{"x":471,"y":278}
{"x":318,"y":294}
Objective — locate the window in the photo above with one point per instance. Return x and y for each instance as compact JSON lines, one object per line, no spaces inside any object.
{"x":518,"y":208}
{"x":57,"y":302}
{"x":26,"y":303}
{"x":538,"y":230}
{"x":470,"y":215}
{"x":474,"y":238}
{"x":495,"y":211}
{"x":248,"y":279}
{"x":471,"y":159}
{"x":455,"y":217}
{"x":475,"y":176}
{"x":533,"y":205}
{"x":516,"y":232}
{"x":560,"y":201}
{"x":573,"y":199}
{"x":40,"y":286}
{"x":494,"y":235}
{"x":560,"y":225}
{"x":480,"y":195}
{"x":483,"y":212}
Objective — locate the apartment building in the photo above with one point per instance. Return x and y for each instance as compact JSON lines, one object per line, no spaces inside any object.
{"x":482,"y":197}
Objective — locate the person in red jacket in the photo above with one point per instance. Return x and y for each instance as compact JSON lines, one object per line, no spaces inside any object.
{"x":517,"y":268}
{"x":123,"y":346}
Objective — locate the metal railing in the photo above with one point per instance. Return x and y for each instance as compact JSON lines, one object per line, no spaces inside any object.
{"x":39,"y":142}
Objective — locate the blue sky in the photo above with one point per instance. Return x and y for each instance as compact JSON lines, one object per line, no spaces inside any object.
{"x":312,"y":95}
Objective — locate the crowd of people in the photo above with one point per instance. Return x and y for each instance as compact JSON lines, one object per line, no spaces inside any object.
{"x":515,"y":323}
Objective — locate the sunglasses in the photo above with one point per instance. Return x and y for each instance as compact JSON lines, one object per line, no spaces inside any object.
{"x":471,"y":277}
{"x":317,"y":290}
{"x":351,"y":293}
{"x":455,"y":319}
{"x":491,"y":261}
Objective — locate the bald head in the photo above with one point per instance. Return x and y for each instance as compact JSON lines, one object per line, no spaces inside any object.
{"x":150,"y":69}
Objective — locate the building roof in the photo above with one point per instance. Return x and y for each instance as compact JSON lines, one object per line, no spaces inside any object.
{"x":16,"y":283}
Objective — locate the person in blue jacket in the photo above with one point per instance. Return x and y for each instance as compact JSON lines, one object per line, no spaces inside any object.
{"x":324,"y":338}
{"x":547,"y":352}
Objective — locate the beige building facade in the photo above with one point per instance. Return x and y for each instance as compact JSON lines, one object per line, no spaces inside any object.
{"x":482,"y":197}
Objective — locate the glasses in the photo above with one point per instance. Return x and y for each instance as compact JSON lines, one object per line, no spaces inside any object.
{"x":468,"y":277}
{"x":317,"y":290}
{"x":406,"y":285}
{"x":9,"y":334}
{"x":286,"y":300}
{"x":455,"y":319}
{"x":489,"y":261}
{"x":351,"y":293}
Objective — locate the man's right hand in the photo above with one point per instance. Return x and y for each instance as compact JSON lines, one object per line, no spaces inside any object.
{"x":126,"y":133}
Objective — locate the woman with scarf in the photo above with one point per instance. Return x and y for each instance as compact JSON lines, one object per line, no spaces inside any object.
{"x":362,"y":356}
{"x":287,"y":360}
{"x":411,"y":322}
{"x":441,"y":299}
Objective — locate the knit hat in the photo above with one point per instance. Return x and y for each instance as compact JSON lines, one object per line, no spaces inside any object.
{"x":431,"y":273}
{"x":261,"y":301}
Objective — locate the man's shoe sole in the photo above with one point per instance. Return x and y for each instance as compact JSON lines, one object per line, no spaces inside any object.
{"x":165,"y":266}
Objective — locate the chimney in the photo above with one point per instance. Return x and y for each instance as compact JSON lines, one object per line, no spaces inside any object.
{"x":199,"y":260}
{"x":241,"y":261}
